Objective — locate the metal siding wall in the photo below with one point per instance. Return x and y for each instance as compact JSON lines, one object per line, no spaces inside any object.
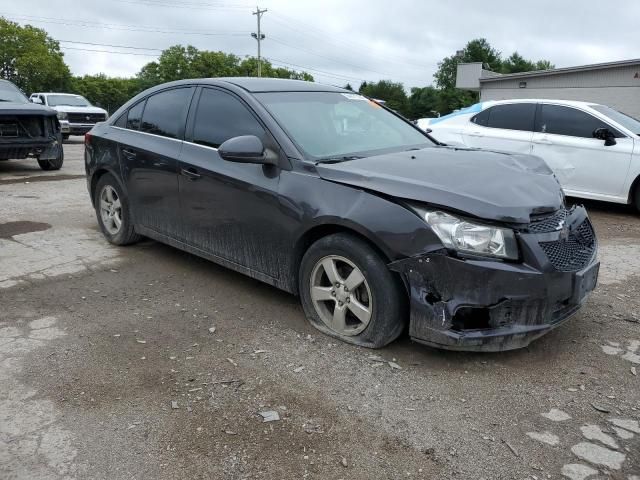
{"x":615,"y":87}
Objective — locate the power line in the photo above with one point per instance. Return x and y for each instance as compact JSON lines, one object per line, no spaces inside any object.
{"x":109,"y":45}
{"x":109,"y":51}
{"x":186,"y":5}
{"x":327,"y":37}
{"x":114,"y":26}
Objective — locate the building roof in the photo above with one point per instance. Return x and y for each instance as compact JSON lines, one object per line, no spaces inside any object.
{"x":560,"y":71}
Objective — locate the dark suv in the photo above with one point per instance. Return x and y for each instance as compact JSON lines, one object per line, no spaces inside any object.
{"x":331,"y":196}
{"x":28,"y":130}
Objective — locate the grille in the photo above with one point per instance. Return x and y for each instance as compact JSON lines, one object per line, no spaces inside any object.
{"x":86,"y":117}
{"x":575,"y":252}
{"x":550,"y":223}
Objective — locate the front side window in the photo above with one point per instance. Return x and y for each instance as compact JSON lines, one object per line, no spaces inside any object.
{"x":627,"y":121}
{"x":560,"y":120}
{"x":516,"y":116}
{"x":166,"y":112}
{"x":134,"y":116}
{"x":220,"y":116}
{"x":330,"y":125}
{"x":67,"y":100}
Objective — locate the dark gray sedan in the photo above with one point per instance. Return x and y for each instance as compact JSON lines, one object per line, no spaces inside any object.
{"x":328,"y":195}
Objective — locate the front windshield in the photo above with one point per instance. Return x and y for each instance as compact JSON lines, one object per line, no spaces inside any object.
{"x":10,"y":93}
{"x":623,"y":119}
{"x":332,"y":125}
{"x":67,"y":100}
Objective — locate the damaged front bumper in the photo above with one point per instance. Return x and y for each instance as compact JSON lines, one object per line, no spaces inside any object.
{"x":486,"y":305}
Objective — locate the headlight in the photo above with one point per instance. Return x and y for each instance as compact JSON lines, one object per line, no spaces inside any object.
{"x":62,"y":115}
{"x":473,"y":238}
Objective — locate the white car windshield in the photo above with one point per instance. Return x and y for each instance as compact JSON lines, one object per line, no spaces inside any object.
{"x":67,"y":100}
{"x":623,"y":119}
{"x":334,"y":126}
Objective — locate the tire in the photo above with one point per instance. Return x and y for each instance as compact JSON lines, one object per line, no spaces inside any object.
{"x":65,"y":137}
{"x":635,"y":197}
{"x":381,"y":292}
{"x":55,"y":164}
{"x":112,"y":211}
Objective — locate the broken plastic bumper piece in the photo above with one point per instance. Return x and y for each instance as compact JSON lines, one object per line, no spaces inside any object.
{"x":480,"y":304}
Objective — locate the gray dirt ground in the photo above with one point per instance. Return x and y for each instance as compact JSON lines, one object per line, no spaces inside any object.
{"x":96,"y":343}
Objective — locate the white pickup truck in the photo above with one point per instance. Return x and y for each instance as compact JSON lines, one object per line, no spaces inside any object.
{"x":76,"y":114}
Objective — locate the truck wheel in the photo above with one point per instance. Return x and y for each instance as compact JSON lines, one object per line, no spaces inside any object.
{"x":348,"y":292}
{"x":55,"y":164}
{"x":112,"y":210}
{"x":65,"y":136}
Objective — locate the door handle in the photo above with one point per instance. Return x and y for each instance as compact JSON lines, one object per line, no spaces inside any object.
{"x":190,"y":173}
{"x":475,"y":134}
{"x":544,"y":141}
{"x":129,"y":154}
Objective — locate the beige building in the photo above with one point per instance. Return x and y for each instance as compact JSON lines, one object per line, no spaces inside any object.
{"x":616,"y":84}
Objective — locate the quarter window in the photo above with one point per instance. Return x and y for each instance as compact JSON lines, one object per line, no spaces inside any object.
{"x":559,"y":120}
{"x":515,"y":116}
{"x":166,"y":113}
{"x":220,"y":116}
{"x":134,"y":116}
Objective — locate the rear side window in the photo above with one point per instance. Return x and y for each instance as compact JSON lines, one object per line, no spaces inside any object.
{"x":166,"y":113}
{"x":516,"y":116}
{"x":220,"y":116}
{"x":134,"y":116}
{"x":559,"y":120}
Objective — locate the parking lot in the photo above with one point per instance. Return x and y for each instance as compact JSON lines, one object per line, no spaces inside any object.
{"x":147,"y":362}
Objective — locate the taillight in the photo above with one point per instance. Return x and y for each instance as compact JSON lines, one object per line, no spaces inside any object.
{"x":87,"y":138}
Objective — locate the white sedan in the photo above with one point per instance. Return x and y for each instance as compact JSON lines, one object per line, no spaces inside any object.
{"x":593,"y":149}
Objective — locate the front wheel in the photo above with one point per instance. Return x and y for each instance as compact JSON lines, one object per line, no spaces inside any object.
{"x":348,"y":292}
{"x":112,"y":211}
{"x":55,"y":164}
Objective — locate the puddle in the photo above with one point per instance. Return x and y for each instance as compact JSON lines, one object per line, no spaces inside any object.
{"x":10,"y":229}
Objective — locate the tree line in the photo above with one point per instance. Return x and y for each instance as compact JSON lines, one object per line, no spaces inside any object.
{"x":32,"y":60}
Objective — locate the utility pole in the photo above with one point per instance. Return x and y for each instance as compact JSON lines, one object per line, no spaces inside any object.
{"x":259,"y":36}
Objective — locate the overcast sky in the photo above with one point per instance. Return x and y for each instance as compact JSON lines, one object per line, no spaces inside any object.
{"x":336,"y":41}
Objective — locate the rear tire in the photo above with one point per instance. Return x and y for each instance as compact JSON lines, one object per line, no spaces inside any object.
{"x":112,"y":210}
{"x":635,"y":197}
{"x":364,"y":303}
{"x":65,"y":137}
{"x":55,"y":164}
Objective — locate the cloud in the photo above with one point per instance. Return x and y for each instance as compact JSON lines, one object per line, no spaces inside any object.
{"x":337,"y":41}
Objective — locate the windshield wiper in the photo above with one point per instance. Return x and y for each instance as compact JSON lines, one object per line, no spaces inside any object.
{"x":343,"y":158}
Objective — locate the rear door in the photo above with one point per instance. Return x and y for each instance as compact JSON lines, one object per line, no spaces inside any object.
{"x":583,"y":164}
{"x":230,"y":210}
{"x":507,"y":127}
{"x":149,"y":158}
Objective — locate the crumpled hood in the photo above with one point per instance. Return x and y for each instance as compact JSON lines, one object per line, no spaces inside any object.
{"x":14,"y":108}
{"x":486,"y":184}
{"x":71,"y":109}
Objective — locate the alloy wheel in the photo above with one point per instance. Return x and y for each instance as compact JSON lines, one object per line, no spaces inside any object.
{"x":341,"y":295}
{"x":110,"y":209}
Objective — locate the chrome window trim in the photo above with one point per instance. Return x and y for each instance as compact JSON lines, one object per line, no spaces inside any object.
{"x":166,"y":138}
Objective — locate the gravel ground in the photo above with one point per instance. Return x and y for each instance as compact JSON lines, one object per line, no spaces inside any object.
{"x":110,"y":368}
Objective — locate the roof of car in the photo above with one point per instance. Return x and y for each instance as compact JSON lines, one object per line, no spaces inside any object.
{"x":256,"y":85}
{"x":56,"y":93}
{"x":574,"y":103}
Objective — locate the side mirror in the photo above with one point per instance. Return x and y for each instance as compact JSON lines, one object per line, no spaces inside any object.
{"x":246,"y":149}
{"x":605,"y":134}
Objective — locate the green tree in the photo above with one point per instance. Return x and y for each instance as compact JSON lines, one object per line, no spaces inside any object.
{"x":516,"y":63}
{"x":423,"y":102}
{"x":106,"y":92}
{"x":348,"y":87}
{"x":391,"y":92}
{"x":31,"y":59}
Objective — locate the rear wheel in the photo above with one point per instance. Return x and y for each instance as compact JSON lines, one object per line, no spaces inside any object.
{"x":348,"y":292}
{"x":55,"y":164}
{"x":112,"y":211}
{"x":635,"y":197}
